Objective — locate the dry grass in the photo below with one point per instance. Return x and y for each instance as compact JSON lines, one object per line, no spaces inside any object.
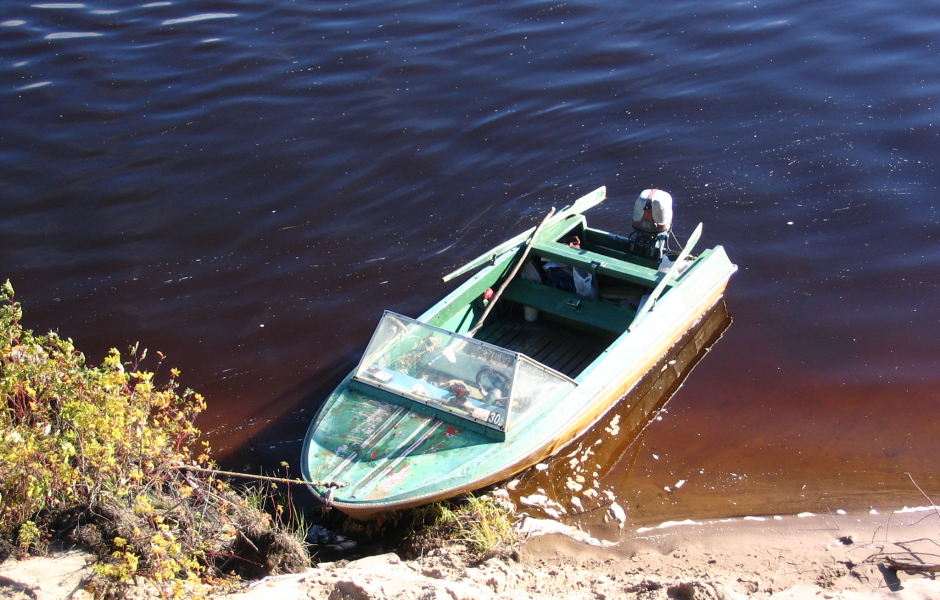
{"x":485,"y":526}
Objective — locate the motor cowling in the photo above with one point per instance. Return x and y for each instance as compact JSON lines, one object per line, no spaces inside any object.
{"x":652,"y":211}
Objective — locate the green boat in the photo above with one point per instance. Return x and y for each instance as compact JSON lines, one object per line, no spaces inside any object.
{"x":487,"y":383}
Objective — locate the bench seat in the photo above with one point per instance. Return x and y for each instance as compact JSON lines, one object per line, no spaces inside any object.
{"x":569,"y":308}
{"x":598,"y":263}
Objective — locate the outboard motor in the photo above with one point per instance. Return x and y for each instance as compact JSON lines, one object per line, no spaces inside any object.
{"x":652,"y":220}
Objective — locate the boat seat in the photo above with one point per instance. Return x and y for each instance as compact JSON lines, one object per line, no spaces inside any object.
{"x":598,"y":263}
{"x":577,"y":311}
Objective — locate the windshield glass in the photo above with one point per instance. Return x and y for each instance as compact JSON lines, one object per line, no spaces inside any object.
{"x":463,"y":376}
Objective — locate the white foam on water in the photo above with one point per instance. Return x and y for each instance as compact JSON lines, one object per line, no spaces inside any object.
{"x":534,"y":527}
{"x":668,"y":524}
{"x":914,"y":509}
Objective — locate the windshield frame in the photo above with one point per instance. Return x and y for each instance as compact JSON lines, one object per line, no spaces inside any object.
{"x":414,"y":362}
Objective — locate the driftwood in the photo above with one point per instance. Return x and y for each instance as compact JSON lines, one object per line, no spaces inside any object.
{"x":900,"y":565}
{"x":908,"y":565}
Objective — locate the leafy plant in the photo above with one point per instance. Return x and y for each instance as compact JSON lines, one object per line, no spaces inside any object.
{"x":106,"y":452}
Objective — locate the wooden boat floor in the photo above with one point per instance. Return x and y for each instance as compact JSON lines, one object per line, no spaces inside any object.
{"x":562,"y":349}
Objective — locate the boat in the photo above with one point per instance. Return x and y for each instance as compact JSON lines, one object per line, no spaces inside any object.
{"x":556,"y":325}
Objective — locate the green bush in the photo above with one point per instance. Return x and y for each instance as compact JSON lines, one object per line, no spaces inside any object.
{"x":105,"y":452}
{"x":72,"y":431}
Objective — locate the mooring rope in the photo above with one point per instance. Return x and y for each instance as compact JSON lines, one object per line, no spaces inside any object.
{"x":330,"y":484}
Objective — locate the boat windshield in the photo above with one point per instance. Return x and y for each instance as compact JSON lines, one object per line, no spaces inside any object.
{"x":459,"y":375}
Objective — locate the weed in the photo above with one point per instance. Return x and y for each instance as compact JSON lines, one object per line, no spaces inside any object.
{"x":485,"y":526}
{"x":29,"y":537}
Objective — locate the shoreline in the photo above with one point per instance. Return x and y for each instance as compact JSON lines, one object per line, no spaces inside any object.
{"x":839,"y":556}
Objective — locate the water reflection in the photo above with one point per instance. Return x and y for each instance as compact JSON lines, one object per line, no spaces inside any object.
{"x":586,"y":478}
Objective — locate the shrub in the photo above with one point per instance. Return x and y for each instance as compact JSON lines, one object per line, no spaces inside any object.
{"x":106,"y":453}
{"x":72,"y":432}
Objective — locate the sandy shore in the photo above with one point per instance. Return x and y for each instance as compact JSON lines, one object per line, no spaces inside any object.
{"x":810,"y":556}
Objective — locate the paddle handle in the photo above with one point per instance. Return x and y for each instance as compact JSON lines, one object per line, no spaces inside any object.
{"x":515,"y":269}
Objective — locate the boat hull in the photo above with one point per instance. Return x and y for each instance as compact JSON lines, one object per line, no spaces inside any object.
{"x":619,"y":380}
{"x":606,"y":400}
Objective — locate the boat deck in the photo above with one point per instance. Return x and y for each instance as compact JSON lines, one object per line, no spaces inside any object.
{"x":560,"y":348}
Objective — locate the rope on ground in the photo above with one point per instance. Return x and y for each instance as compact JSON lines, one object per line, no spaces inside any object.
{"x":329,"y":484}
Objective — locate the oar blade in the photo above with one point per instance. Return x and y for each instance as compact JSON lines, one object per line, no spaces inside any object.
{"x":579,"y":206}
{"x":673,"y":270}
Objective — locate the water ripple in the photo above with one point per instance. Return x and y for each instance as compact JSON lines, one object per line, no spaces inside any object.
{"x":67,"y":35}
{"x":261,"y":164}
{"x":202,"y":17}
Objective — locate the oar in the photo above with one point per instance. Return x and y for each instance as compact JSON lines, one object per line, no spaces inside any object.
{"x":580,"y":205}
{"x":515,"y":269}
{"x":661,"y":286}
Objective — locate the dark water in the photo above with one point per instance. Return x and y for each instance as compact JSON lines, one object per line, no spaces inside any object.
{"x":245,"y":185}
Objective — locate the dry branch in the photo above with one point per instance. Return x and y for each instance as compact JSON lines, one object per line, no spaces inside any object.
{"x":936,"y":509}
{"x":900,"y":565}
